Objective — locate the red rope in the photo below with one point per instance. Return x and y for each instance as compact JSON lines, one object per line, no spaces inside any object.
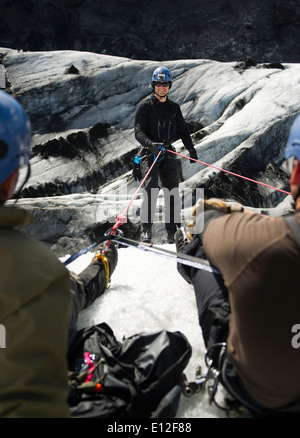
{"x":122,"y":219}
{"x":138,"y":189}
{"x":231,"y":173}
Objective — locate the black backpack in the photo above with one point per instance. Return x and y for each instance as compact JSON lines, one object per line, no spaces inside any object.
{"x":140,"y":377}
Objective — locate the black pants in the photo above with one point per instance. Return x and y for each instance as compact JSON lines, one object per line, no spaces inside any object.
{"x":85,"y":288}
{"x":166,"y":168}
{"x":211,"y":297}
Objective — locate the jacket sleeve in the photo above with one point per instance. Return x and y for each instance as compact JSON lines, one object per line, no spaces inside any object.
{"x":140,"y":125}
{"x":183,"y":131}
{"x":35,"y":300}
{"x":34,"y":368}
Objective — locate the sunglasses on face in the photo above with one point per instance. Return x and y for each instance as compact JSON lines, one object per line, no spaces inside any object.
{"x":162,"y":84}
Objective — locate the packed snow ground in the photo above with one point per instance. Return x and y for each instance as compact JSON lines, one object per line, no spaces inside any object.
{"x":148,"y":294}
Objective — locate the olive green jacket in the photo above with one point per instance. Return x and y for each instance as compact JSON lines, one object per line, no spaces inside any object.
{"x":34,"y":307}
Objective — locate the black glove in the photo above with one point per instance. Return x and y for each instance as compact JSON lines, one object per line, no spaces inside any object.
{"x":155,"y":148}
{"x":193,"y":154}
{"x":136,"y":172}
{"x":203,"y":205}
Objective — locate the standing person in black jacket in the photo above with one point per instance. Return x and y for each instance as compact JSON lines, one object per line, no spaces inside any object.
{"x":158,"y":123}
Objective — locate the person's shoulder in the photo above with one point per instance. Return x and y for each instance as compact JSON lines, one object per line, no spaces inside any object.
{"x":173,"y":104}
{"x":148,"y":100}
{"x":145,"y":105}
{"x":34,"y":253}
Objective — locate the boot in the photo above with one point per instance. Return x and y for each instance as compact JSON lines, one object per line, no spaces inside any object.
{"x":111,"y":257}
{"x":170,"y":238}
{"x":181,"y":241}
{"x":171,"y":230}
{"x":146,"y":235}
{"x":94,"y":279}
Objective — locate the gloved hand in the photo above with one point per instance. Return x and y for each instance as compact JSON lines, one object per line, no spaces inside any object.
{"x":210,"y":204}
{"x":155,"y":148}
{"x":193,"y":154}
{"x":218,"y":205}
{"x":136,"y":172}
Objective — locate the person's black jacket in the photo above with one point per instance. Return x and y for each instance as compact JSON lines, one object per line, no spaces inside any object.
{"x":161,"y":122}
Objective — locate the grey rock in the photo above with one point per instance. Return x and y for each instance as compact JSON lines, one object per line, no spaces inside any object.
{"x":84,"y":145}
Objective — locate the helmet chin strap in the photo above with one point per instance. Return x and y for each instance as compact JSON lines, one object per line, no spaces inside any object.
{"x":161,"y":97}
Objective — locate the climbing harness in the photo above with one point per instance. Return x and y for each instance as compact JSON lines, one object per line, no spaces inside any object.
{"x":136,"y":172}
{"x":162,"y":150}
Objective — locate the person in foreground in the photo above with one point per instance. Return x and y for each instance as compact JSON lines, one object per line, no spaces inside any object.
{"x":249,"y":314}
{"x":158,"y":123}
{"x":39,"y":298}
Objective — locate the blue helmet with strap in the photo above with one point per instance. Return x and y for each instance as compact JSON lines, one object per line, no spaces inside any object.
{"x":15,"y":136}
{"x":293,"y":143}
{"x":162,"y":74}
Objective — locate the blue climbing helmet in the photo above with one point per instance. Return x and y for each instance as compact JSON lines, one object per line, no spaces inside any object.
{"x":162,"y":74}
{"x":15,"y":136}
{"x":293,"y":143}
